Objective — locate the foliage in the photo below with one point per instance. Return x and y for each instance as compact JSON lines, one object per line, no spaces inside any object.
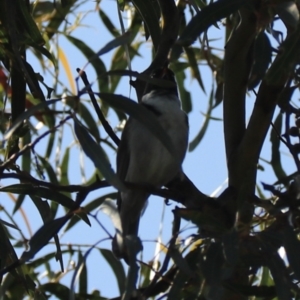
{"x":233,"y":251}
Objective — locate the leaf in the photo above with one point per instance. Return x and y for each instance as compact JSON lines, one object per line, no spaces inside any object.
{"x":97,"y":64}
{"x":276,"y":156}
{"x":117,"y":268}
{"x":208,"y":16}
{"x":97,"y":155}
{"x":191,"y":56}
{"x":43,"y":208}
{"x":86,"y":115}
{"x":42,"y":192}
{"x":96,"y":203}
{"x":289,"y":14}
{"x":108,"y":24}
{"x":117,"y":42}
{"x":49,"y":169}
{"x":43,"y":236}
{"x":65,"y":63}
{"x":262,"y":57}
{"x":284,"y":63}
{"x":26,"y":21}
{"x":195,"y":142}
{"x":56,"y":289}
{"x":141,"y":114}
{"x":148,"y":12}
{"x":185,"y":96}
{"x":28,"y":113}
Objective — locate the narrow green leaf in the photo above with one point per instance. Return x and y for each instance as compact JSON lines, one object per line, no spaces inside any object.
{"x":64,"y":167}
{"x":86,"y":115}
{"x":262,"y":57}
{"x":97,"y":64}
{"x":108,"y":23}
{"x":27,"y":22}
{"x":56,"y":289}
{"x":191,"y":55}
{"x":28,"y":113}
{"x":276,"y":156}
{"x":196,"y":141}
{"x":96,"y":203}
{"x":97,"y":155}
{"x":83,"y":277}
{"x":185,"y":96}
{"x":49,"y":169}
{"x":284,"y":63}
{"x":208,"y":16}
{"x":43,"y":207}
{"x":117,"y":268}
{"x":150,"y":16}
{"x":117,"y":42}
{"x":42,"y":192}
{"x":43,"y":236}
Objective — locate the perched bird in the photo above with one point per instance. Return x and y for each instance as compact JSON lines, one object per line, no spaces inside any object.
{"x":143,"y":159}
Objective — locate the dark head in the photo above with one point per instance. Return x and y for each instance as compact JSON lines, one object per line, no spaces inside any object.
{"x":163,"y":82}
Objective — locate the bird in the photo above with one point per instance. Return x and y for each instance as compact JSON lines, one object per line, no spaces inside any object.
{"x":143,"y":159}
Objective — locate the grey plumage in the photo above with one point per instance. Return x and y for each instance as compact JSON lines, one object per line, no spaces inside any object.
{"x":143,"y":159}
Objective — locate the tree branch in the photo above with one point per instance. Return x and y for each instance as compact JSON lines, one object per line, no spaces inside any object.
{"x":238,"y":62}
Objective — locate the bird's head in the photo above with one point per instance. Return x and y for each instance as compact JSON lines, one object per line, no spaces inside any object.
{"x":163,"y":81}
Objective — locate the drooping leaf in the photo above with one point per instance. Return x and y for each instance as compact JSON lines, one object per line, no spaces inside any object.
{"x":117,"y":268}
{"x":208,"y":16}
{"x":275,"y":140}
{"x":43,"y":236}
{"x":28,"y":113}
{"x":191,"y":56}
{"x":108,"y":23}
{"x":96,"y":62}
{"x":284,"y":63}
{"x":149,"y":13}
{"x":195,"y":142}
{"x":96,"y":203}
{"x":97,"y":155}
{"x":262,"y":57}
